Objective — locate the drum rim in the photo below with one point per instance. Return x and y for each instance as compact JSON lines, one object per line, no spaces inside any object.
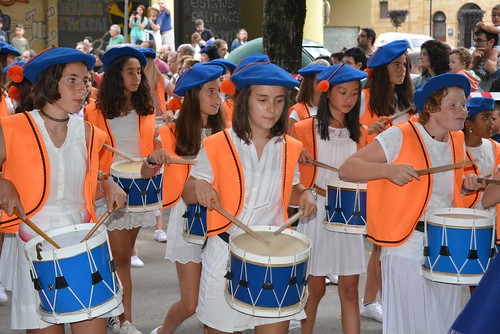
{"x":99,"y":238}
{"x":266,"y":259}
{"x":445,"y":277}
{"x":336,"y":183}
{"x":434,"y":217}
{"x":126,"y":174}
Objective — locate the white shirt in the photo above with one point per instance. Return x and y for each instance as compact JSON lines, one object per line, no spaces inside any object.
{"x":263,"y":180}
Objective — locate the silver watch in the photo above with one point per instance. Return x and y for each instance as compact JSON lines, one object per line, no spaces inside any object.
{"x":313,"y":192}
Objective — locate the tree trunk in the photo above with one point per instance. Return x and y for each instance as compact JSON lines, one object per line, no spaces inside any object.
{"x":282,"y":32}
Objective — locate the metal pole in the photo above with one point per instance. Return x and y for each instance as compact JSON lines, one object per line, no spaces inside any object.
{"x":430,"y":17}
{"x":125,"y":21}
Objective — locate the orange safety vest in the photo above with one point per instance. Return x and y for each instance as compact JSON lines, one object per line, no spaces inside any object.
{"x":146,"y":134}
{"x":176,"y":175}
{"x":4,"y":110}
{"x":28,"y":168}
{"x":305,"y":131}
{"x":229,"y":180}
{"x":228,"y":105}
{"x":160,"y":95}
{"x":302,"y":110}
{"x":392,"y":227}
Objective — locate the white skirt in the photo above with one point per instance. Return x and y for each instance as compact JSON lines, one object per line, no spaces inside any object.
{"x":213,"y":310}
{"x":121,"y":220}
{"x":411,"y":303}
{"x":8,"y":260}
{"x":332,"y":252}
{"x":178,"y":249}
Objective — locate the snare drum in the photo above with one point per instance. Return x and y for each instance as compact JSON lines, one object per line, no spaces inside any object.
{"x":76,"y":282}
{"x":268,"y":281}
{"x":459,"y":244}
{"x":195,"y":224}
{"x":142,"y":194}
{"x":346,"y":207}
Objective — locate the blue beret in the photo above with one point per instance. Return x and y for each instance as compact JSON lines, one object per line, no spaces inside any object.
{"x":257,"y":69}
{"x":387,"y":53}
{"x":338,"y":74}
{"x":148,"y":53}
{"x":50,"y":57}
{"x":226,"y":63}
{"x":475,"y":105}
{"x":197,"y":75}
{"x":7,"y":48}
{"x":17,"y":62}
{"x":437,"y":83}
{"x":311,"y":69}
{"x":122,"y":51}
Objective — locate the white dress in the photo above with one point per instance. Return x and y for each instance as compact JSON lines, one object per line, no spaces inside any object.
{"x":65,"y":206}
{"x":332,"y":252}
{"x":263,"y":206}
{"x":126,"y":133}
{"x":178,"y":249}
{"x":411,"y":303}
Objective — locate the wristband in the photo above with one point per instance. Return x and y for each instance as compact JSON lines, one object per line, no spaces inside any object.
{"x":313,"y":192}
{"x":150,"y":163}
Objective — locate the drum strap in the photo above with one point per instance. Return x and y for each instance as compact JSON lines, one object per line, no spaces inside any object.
{"x":224,"y":236}
{"x":420,"y":226}
{"x":320,"y":191}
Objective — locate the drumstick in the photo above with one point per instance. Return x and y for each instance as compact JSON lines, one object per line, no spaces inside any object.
{"x":35,"y":228}
{"x":489,"y":181}
{"x":182,"y":161}
{"x":242,"y":226}
{"x":390,"y":120}
{"x":444,"y":168}
{"x":289,"y":222}
{"x":325,"y":166}
{"x":120,"y":153}
{"x":99,"y":223}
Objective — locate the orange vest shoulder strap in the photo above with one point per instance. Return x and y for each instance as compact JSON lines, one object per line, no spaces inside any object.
{"x":305,"y":131}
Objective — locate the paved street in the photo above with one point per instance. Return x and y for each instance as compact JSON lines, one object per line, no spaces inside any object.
{"x":155,"y":289}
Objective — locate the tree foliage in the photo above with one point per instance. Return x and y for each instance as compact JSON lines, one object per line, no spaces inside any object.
{"x":397,"y":17}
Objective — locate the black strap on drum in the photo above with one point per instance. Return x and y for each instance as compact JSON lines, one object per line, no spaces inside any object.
{"x":444,"y":251}
{"x":36,"y":282}
{"x":112,"y":266}
{"x":96,"y":278}
{"x":267,"y":286}
{"x":61,"y":283}
{"x":472,"y":254}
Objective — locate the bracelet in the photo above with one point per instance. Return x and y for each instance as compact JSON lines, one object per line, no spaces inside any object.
{"x":150,"y":163}
{"x":313,"y":192}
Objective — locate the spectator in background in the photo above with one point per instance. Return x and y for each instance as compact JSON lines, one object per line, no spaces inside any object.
{"x":205,"y":33}
{"x":84,"y":47}
{"x":355,"y":57}
{"x":27,"y":55}
{"x":137,"y":23}
{"x":366,"y":38}
{"x":328,"y":59}
{"x":148,"y":45}
{"x":163,"y":52}
{"x":196,"y":43}
{"x":152,"y":31}
{"x":434,"y":60}
{"x":89,"y":41}
{"x":222,"y":47}
{"x":98,"y":61}
{"x":460,"y":60}
{"x":484,"y":57}
{"x":3,"y":34}
{"x":115,"y":36}
{"x":337,"y":57}
{"x":167,"y":33}
{"x":209,"y":53}
{"x":241,"y":38}
{"x":185,"y":50}
{"x":18,"y":41}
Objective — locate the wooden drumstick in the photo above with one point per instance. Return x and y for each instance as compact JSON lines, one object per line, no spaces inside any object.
{"x":489,"y":181}
{"x":390,"y":120}
{"x":35,"y":228}
{"x":444,"y":168}
{"x":181,"y":161}
{"x":325,"y":166}
{"x":120,"y":153}
{"x":289,"y":222}
{"x":96,"y":226}
{"x":242,"y":226}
